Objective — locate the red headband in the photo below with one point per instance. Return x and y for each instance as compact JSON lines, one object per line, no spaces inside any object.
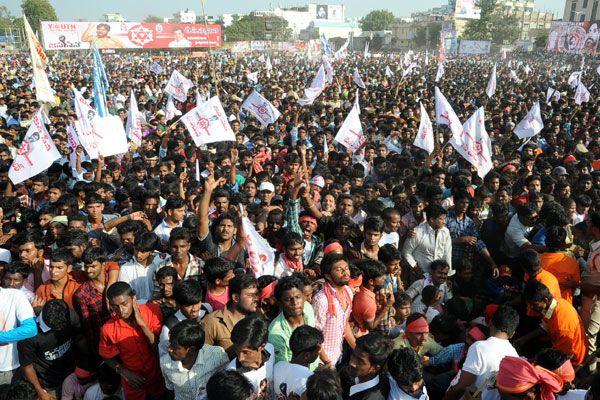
{"x":268,"y":290}
{"x":477,"y":334}
{"x":308,"y":218}
{"x":333,"y":247}
{"x":419,"y":325}
{"x":566,"y":371}
{"x":355,"y":282}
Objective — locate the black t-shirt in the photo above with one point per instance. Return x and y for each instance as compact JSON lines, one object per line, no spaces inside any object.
{"x":52,"y":353}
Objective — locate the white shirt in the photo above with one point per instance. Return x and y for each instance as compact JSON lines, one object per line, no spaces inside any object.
{"x":398,"y":394}
{"x":14,"y":309}
{"x":361,"y":387}
{"x":483,"y":359}
{"x":191,"y":384}
{"x":389,"y":238}
{"x":94,"y":392}
{"x":575,"y":394}
{"x":164,"y":340}
{"x":261,"y":378}
{"x":290,"y":377}
{"x":163,"y":230}
{"x":516,"y":236}
{"x":428,"y":245}
{"x":140,"y":278}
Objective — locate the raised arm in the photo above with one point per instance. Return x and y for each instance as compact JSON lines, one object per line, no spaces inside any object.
{"x":210,"y":184}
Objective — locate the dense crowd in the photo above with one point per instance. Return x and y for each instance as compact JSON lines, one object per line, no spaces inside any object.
{"x":398,"y":274}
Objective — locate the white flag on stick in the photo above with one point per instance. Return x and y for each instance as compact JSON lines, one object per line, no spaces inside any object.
{"x":574,"y":79}
{"x":582,"y":94}
{"x":178,"y":86}
{"x":262,"y":108}
{"x":474,"y":144}
{"x":440,"y":72}
{"x":208,"y":123}
{"x":532,"y":124}
{"x":366,"y":53}
{"x":260,"y":253}
{"x":425,"y":138}
{"x":134,"y":122}
{"x":170,"y":110}
{"x":114,"y":138}
{"x":86,"y":125}
{"x":552,"y":94}
{"x":36,"y":153}
{"x":351,"y":134}
{"x":445,"y":115}
{"x":43,"y":91}
{"x":316,"y":87}
{"x":252,"y":77}
{"x":409,"y":69}
{"x":388,"y":72}
{"x":197,"y":170}
{"x":490,"y":90}
{"x":357,"y":79}
{"x":74,"y":142}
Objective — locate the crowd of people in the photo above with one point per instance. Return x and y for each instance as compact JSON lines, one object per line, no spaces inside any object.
{"x":398,"y":274}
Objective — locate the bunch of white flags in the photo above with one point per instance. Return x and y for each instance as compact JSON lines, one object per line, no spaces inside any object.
{"x":440,"y":72}
{"x":490,"y":90}
{"x":178,"y":86}
{"x":552,"y":94}
{"x":262,"y":108}
{"x":357,"y":79}
{"x":474,"y":144}
{"x":260,"y":253}
{"x":133,"y":127}
{"x":425,"y":138}
{"x":316,"y":87}
{"x":445,"y":115}
{"x":574,"y":79}
{"x":208,"y":123}
{"x":351,"y":134}
{"x":582,"y":94}
{"x":532,"y":124}
{"x":36,"y":153}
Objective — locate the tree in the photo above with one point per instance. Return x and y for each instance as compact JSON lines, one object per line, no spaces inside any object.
{"x":153,"y":18}
{"x":496,"y":24}
{"x":38,"y":10}
{"x":428,"y":34}
{"x":377,"y":20}
{"x":6,"y":19}
{"x":253,"y":27}
{"x":541,"y":39}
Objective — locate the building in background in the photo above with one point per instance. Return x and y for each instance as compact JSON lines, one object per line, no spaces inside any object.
{"x":581,"y":10}
{"x":186,"y":16}
{"x":300,"y":18}
{"x":114,"y":17}
{"x":330,"y":29}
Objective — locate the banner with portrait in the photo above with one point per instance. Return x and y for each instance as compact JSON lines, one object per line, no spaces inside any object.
{"x":574,"y":37}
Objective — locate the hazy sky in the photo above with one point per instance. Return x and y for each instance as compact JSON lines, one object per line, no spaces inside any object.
{"x":135,"y":10}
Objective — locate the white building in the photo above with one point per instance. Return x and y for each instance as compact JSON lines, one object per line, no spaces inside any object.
{"x":300,"y":18}
{"x":114,"y":17}
{"x":331,"y":29}
{"x":186,"y":16}
{"x":581,"y":10}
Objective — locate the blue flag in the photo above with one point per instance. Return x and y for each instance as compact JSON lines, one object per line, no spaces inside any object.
{"x":100,"y":83}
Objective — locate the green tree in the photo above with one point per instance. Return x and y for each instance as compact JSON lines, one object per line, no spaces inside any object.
{"x":153,"y":18}
{"x":541,"y":39}
{"x":428,"y":34}
{"x":253,"y":27}
{"x":38,"y":10}
{"x":377,"y":20}
{"x":6,"y":19}
{"x":496,"y":24}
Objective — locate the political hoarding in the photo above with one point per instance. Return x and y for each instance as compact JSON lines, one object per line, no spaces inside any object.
{"x":60,"y":35}
{"x":468,"y":47}
{"x":467,"y":9}
{"x":322,"y":11}
{"x":574,"y":37}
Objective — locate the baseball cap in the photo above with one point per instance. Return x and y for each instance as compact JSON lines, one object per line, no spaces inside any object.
{"x":580,"y":148}
{"x":318,"y":180}
{"x":569,"y":159}
{"x":268,"y":186}
{"x":560,"y":171}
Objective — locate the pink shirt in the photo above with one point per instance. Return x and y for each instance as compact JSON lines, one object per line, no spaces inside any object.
{"x":217,"y":302}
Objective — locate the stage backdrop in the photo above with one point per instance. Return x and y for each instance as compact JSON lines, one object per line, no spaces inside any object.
{"x":574,"y":37}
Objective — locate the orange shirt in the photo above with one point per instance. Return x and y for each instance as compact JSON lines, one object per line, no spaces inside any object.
{"x":47,"y":292}
{"x":566,"y":330}
{"x":549,"y":280}
{"x":564,"y":268}
{"x":364,"y":308}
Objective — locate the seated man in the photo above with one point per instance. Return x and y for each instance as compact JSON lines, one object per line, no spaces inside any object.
{"x":417,"y":337}
{"x":366,"y":363}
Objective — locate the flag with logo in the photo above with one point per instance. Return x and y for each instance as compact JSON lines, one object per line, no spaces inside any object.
{"x":316,"y":87}
{"x":208,"y":123}
{"x":552,"y":94}
{"x":574,"y":79}
{"x":86,"y":125}
{"x":474,"y":144}
{"x":156,"y":68}
{"x":260,"y":253}
{"x":261,"y":108}
{"x":440,"y":72}
{"x":357,"y":79}
{"x":445,"y":115}
{"x":582,"y":94}
{"x":36,"y":153}
{"x":490,"y":90}
{"x":133,"y":127}
{"x":351,"y":134}
{"x":43,"y":91}
{"x":425,"y":138}
{"x":178,"y":86}
{"x":532,"y":124}
{"x":252,"y":77}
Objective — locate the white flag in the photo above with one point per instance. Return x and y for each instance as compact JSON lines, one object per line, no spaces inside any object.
{"x":199,"y":98}
{"x":598,"y":70}
{"x":170,"y":110}
{"x":474,"y":144}
{"x":316,"y":87}
{"x":36,"y":153}
{"x":513,"y":74}
{"x":357,"y":79}
{"x":268,"y":65}
{"x":582,"y":94}
{"x":74,"y":142}
{"x":252,"y":77}
{"x":114,"y":139}
{"x":552,"y":94}
{"x":197,"y":170}
{"x":527,"y":69}
{"x":328,"y":69}
{"x":440,"y":72}
{"x":425,"y":138}
{"x":260,"y":253}
{"x":262,"y":108}
{"x":445,"y":115}
{"x":325,"y":146}
{"x":134,"y":122}
{"x":43,"y":91}
{"x":351,"y":134}
{"x":178,"y":86}
{"x":490,"y":90}
{"x":532,"y":124}
{"x":342,"y":50}
{"x":388,"y":72}
{"x":208,"y":123}
{"x":426,"y":57}
{"x":409,"y":69}
{"x":366,"y":53}
{"x":574,"y":79}
{"x":86,"y":125}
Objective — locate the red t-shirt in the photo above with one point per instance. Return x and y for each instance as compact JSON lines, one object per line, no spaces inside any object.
{"x":217,"y":302}
{"x":364,"y":308}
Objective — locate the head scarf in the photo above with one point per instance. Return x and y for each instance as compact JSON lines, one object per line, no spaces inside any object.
{"x":517,"y":375}
{"x":419,"y":325}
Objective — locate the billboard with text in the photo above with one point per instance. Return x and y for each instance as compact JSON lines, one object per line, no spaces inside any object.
{"x":467,"y":9}
{"x":128,"y":35}
{"x":474,"y":47}
{"x":574,"y":37}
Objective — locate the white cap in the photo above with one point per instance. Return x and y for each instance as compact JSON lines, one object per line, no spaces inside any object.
{"x":318,"y":180}
{"x":266,"y":186}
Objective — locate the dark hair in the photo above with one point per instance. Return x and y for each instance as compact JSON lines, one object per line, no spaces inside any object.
{"x":373,"y":224}
{"x":187,"y":333}
{"x":434,"y":211}
{"x":402,"y":299}
{"x":377,"y":346}
{"x":526,"y":210}
{"x":329,"y":260}
{"x":20,"y":390}
{"x":241,"y":282}
{"x":166,"y":271}
{"x":93,"y":254}
{"x":75,"y":237}
{"x":555,"y":237}
{"x":499,"y":208}
{"x":287,"y":283}
{"x":62,"y":255}
{"x":146,"y":242}
{"x":174,"y":202}
{"x":291,"y":238}
{"x":550,"y":359}
{"x":324,"y":384}
{"x":216,"y":268}
{"x":404,"y":365}
{"x":529,"y":260}
{"x":17,"y":268}
{"x":93,"y":198}
{"x":252,"y":331}
{"x":119,"y":288}
{"x":439,"y":264}
{"x":36,"y":237}
{"x":228,"y":385}
{"x":187,"y":292}
{"x":179,"y":233}
{"x":55,"y":314}
{"x":372,"y":269}
{"x":388,"y":253}
{"x":428,"y":294}
{"x":305,"y":338}
{"x":506,"y":319}
{"x":536,"y":291}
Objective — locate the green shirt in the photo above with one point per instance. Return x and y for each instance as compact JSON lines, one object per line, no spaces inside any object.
{"x":280,"y":332}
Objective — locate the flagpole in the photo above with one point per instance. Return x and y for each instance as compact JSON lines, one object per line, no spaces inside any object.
{"x":213,"y":73}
